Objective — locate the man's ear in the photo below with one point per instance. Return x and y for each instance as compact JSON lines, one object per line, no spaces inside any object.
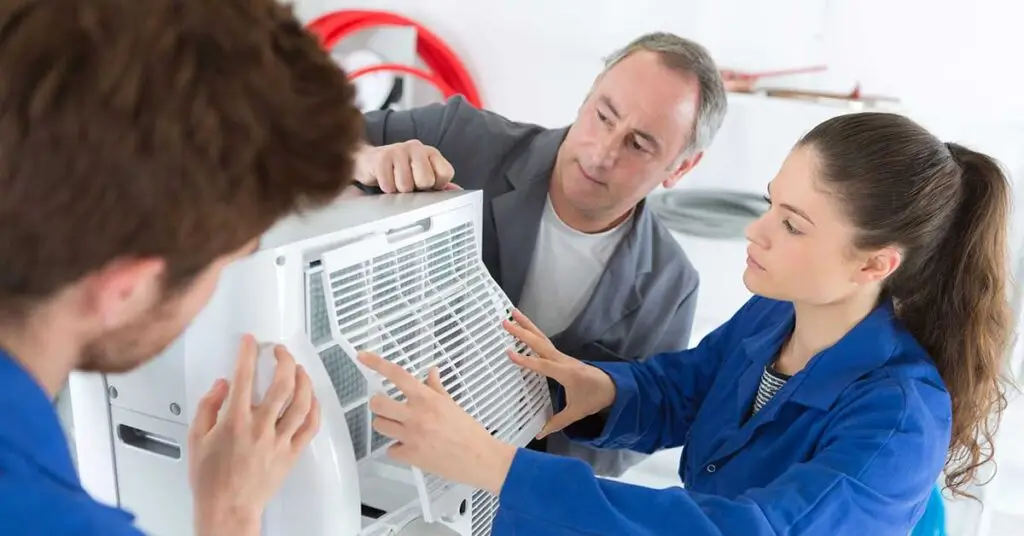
{"x":683,"y":168}
{"x":123,"y":289}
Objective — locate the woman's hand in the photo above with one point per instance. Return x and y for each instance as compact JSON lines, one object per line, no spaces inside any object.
{"x":588,"y":389}
{"x":434,"y":433}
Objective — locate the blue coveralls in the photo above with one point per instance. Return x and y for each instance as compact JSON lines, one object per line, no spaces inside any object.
{"x":851,"y":445}
{"x":40,"y":494}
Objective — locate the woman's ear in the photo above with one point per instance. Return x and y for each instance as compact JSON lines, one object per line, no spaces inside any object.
{"x":879,"y":264}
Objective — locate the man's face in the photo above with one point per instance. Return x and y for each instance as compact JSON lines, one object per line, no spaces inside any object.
{"x":147,"y":334}
{"x":628,"y":137}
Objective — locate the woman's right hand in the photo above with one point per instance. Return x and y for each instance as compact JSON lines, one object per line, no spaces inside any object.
{"x":239,"y":458}
{"x":588,"y":389}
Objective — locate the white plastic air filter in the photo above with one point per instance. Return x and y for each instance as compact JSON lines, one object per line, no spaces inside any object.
{"x":420,"y":297}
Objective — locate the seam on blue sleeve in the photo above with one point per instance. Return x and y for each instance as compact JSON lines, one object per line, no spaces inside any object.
{"x":811,"y":507}
{"x":892,"y":431}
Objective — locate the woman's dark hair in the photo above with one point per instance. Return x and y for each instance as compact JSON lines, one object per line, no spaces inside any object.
{"x":947,"y":207}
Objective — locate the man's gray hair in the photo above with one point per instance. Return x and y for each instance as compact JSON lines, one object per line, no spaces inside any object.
{"x":691,"y":58}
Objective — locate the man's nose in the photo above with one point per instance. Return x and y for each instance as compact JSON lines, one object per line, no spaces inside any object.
{"x":607,"y":149}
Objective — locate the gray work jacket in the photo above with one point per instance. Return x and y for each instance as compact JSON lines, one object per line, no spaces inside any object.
{"x":644,"y":301}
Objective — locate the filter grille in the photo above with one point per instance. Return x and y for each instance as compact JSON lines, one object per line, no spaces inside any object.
{"x":431,"y":303}
{"x":485,"y":506}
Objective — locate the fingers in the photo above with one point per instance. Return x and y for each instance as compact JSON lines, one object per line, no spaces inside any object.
{"x":399,"y":452}
{"x":207,"y":410}
{"x":281,"y":391}
{"x":422,"y":171}
{"x":309,"y":427}
{"x":443,"y":170}
{"x":399,"y":158}
{"x":245,"y":370}
{"x":405,"y":382}
{"x":522,"y":320}
{"x":402,"y":170}
{"x":558,"y":422}
{"x":384,"y":170}
{"x":409,"y":166}
{"x":298,"y":411}
{"x":366,"y":162}
{"x":539,"y":343}
{"x":388,"y":427}
{"x":389,"y":408}
{"x":540,"y":366}
{"x":434,"y":382}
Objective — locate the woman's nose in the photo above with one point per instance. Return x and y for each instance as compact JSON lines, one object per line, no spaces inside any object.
{"x":755,"y":232}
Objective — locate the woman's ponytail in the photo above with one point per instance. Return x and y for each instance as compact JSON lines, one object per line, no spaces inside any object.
{"x":947,"y":208}
{"x":958,"y":309}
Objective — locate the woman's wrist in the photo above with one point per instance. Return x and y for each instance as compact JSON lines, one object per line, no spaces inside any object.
{"x":607,"y":389}
{"x":214,"y":521}
{"x":496,"y":463}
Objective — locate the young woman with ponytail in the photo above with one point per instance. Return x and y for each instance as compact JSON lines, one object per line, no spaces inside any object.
{"x":866,"y":366}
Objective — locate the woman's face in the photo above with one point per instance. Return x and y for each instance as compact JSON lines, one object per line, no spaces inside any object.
{"x":801,"y":250}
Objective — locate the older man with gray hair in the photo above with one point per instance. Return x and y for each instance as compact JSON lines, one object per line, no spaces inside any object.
{"x":566,"y":232}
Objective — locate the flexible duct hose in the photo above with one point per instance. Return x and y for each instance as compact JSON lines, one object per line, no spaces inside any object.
{"x":715,"y":214}
{"x":446,"y":72}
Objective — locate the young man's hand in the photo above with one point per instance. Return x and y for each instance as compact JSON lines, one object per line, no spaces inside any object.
{"x":239,"y":458}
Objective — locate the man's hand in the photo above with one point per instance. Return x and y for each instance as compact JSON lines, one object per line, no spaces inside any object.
{"x":588,"y":389}
{"x":404,"y":167}
{"x":239,"y":459}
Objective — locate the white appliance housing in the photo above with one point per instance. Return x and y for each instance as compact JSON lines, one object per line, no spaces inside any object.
{"x":399,"y":275}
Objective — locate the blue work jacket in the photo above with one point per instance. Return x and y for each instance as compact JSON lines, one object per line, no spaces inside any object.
{"x":851,"y":445}
{"x":40,"y":494}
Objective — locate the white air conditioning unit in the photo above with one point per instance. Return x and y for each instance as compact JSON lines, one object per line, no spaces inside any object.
{"x":399,"y":275}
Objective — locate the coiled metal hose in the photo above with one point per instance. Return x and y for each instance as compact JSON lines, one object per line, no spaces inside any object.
{"x":707,"y":213}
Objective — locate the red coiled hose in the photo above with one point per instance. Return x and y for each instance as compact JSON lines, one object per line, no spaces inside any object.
{"x":446,"y":71}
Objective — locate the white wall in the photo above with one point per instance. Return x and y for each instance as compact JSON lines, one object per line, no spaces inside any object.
{"x":536,"y":58}
{"x":955,"y":67}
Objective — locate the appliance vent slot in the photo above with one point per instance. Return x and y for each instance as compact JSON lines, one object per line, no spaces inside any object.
{"x":484,"y":508}
{"x":357,"y":422}
{"x":430,"y":303}
{"x":349,"y":383}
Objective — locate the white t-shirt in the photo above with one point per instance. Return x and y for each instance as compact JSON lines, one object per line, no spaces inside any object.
{"x":564,"y":271}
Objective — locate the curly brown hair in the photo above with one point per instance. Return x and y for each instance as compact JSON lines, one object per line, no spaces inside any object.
{"x":172,"y":129}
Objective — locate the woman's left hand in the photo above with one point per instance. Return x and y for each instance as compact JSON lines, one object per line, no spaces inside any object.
{"x":434,"y":433}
